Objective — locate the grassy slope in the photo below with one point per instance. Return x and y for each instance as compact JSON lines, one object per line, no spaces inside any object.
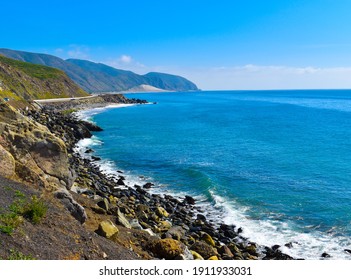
{"x":25,"y":81}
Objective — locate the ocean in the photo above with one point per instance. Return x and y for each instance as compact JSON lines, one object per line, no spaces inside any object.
{"x":276,"y":163}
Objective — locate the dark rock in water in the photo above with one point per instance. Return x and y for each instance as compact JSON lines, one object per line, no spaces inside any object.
{"x":325,"y":255}
{"x":121,"y":177}
{"x":120,"y":182}
{"x":91,"y":126}
{"x":348,"y":251}
{"x":275,"y":247}
{"x":88,"y":151}
{"x":119,"y":171}
{"x":189,"y":200}
{"x":275,"y":255}
{"x":240,"y":230}
{"x":95,"y":158}
{"x":201,"y":217}
{"x":148,"y":185}
{"x":140,"y":190}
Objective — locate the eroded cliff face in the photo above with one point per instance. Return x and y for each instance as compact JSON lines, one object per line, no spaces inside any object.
{"x":29,"y":152}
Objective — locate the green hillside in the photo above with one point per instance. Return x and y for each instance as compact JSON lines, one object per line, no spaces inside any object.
{"x":98,"y":77}
{"x":25,"y":81}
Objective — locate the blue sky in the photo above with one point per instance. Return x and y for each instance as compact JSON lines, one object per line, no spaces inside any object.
{"x":238,"y":44}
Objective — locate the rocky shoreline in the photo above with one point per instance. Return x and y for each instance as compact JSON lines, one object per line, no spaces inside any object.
{"x":171,"y":227}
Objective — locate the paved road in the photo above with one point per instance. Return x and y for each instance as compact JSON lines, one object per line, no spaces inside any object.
{"x":42,"y":101}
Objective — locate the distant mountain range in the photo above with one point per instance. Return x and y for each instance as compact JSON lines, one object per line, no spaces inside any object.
{"x":98,"y":77}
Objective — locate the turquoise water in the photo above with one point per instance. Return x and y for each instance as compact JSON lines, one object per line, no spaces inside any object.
{"x":277,"y":163}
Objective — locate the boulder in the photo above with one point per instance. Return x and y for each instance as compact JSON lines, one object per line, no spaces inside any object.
{"x":225,"y":252}
{"x":252,"y":249}
{"x":149,"y":231}
{"x":76,"y":210}
{"x":196,"y":256}
{"x":186,"y":255}
{"x":189,"y":200}
{"x":325,"y":255}
{"x":107,"y":229}
{"x":164,"y":226}
{"x":104,"y":204}
{"x":135,"y":224}
{"x":7,"y":163}
{"x":120,"y":182}
{"x":161,"y":212}
{"x":122,"y":220}
{"x":148,"y":185}
{"x":176,"y":232}
{"x":208,"y":239}
{"x":168,"y":248}
{"x":205,"y":250}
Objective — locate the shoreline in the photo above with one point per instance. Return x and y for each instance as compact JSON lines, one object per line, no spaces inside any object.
{"x":172,"y":224}
{"x":221,"y":234}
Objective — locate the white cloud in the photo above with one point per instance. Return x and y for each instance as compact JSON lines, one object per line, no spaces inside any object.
{"x":126,"y":62}
{"x":126,"y":59}
{"x":76,"y":51}
{"x":73,"y":51}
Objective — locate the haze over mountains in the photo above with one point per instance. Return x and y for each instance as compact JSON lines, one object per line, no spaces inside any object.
{"x":98,"y":77}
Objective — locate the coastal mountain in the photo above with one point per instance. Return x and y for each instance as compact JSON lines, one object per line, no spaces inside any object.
{"x":25,"y":81}
{"x":98,"y":77}
{"x":103,"y":78}
{"x":169,"y":82}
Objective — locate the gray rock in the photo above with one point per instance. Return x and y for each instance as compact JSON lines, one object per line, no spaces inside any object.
{"x":176,"y":232}
{"x":122,"y":220}
{"x":104,"y":204}
{"x":76,"y":210}
{"x":135,"y":224}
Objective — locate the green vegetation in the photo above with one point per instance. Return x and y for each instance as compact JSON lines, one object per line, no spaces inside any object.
{"x":33,"y":211}
{"x":9,"y":222}
{"x":33,"y":70}
{"x":68,"y":111}
{"x":16,"y":255}
{"x":23,"y":81}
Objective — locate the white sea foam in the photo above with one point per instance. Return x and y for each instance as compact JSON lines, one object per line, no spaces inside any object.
{"x":88,"y":113}
{"x":308,"y":245}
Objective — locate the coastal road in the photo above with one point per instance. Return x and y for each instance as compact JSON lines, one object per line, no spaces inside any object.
{"x":43,"y":101}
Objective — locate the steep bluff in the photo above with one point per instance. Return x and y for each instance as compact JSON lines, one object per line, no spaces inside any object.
{"x":25,"y":81}
{"x":29,"y":152}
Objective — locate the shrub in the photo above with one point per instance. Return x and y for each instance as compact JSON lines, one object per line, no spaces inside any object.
{"x":15,"y":255}
{"x":35,"y":210}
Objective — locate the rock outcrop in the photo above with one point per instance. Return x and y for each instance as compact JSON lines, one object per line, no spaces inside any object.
{"x":39,"y":157}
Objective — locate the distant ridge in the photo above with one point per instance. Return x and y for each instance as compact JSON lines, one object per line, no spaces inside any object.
{"x":98,"y":77}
